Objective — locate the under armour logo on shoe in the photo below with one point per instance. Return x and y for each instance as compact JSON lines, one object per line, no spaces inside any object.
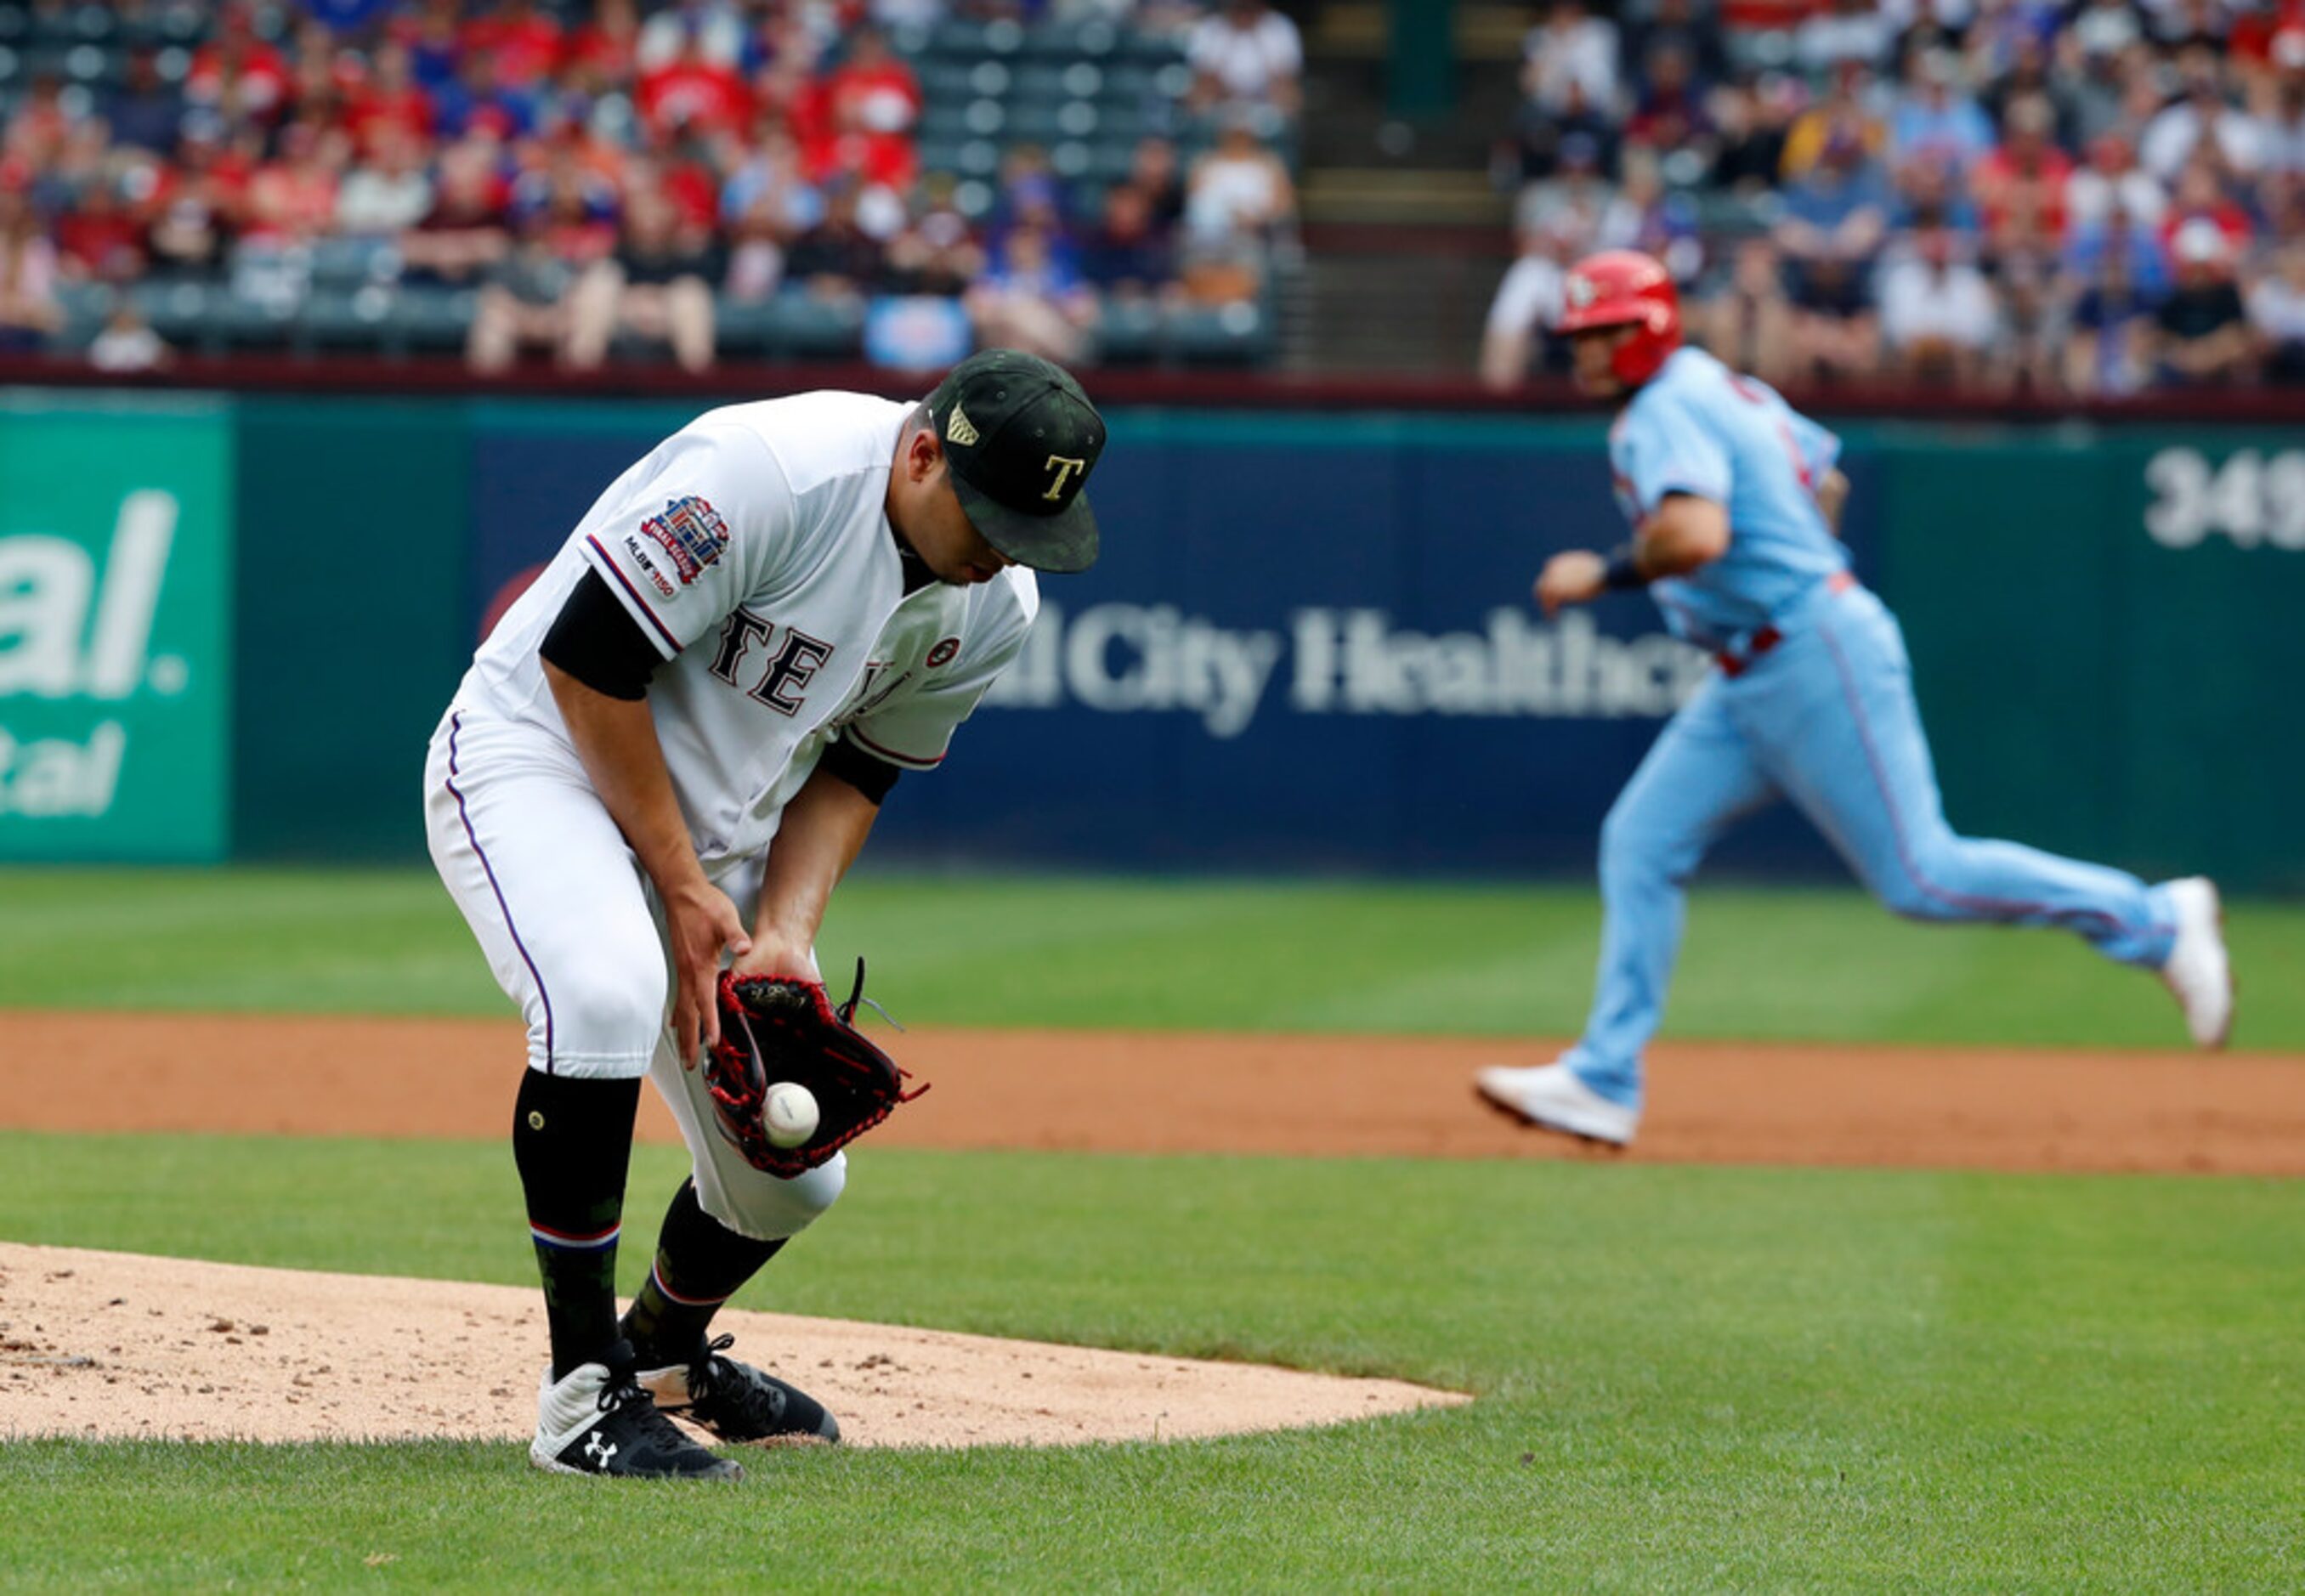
{"x":600,"y":1448}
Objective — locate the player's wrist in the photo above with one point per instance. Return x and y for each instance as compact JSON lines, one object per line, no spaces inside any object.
{"x":685,"y":886}
{"x":1620,"y":570}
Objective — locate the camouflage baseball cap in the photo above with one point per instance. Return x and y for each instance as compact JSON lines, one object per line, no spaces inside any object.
{"x":1022,"y":438}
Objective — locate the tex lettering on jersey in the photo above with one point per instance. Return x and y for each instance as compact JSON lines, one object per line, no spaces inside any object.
{"x":793,"y":661}
{"x":690,"y":533}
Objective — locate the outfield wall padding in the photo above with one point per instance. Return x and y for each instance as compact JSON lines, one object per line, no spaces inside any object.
{"x":1309,"y":646}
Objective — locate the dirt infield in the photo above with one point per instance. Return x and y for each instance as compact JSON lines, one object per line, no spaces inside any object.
{"x":111,"y":1345}
{"x":104,"y":1344}
{"x":1720,"y":1102}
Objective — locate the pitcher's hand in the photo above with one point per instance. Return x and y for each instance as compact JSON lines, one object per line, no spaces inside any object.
{"x":701,"y":921}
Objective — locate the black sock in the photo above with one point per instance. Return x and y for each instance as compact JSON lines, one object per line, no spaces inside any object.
{"x":572,"y":1141}
{"x":700,"y":1263}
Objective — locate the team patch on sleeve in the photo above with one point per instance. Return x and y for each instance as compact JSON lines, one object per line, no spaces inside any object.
{"x":692,"y":534}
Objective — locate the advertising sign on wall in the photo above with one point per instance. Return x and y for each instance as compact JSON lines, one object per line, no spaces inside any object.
{"x":115,"y":631}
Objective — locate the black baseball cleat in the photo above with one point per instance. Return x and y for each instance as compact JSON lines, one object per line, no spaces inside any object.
{"x":596,"y":1420}
{"x":735,"y":1401}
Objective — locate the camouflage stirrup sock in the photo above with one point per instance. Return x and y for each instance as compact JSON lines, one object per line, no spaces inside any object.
{"x":700,"y":1263}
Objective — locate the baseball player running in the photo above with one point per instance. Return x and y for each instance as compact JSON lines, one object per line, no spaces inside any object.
{"x":1734,"y":499}
{"x":667,"y":752}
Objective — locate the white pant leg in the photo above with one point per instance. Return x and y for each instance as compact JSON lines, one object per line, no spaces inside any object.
{"x":544,"y":878}
{"x":749,"y":1201}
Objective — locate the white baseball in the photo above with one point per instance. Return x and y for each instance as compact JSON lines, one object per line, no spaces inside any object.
{"x":790,"y":1114}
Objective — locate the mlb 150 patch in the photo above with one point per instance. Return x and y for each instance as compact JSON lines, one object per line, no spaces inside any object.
{"x":692,"y":533}
{"x":633,"y":547}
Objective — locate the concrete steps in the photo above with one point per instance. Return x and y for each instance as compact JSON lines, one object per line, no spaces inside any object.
{"x":1407,"y":234}
{"x":1370,"y":310}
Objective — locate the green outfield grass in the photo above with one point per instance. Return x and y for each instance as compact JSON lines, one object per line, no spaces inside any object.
{"x":1689,"y":1379}
{"x":1224,"y":955}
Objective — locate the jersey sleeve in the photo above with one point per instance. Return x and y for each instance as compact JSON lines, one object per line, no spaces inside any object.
{"x":1819,"y":447}
{"x":1663,"y":446}
{"x":913,"y":729}
{"x":686,"y":539}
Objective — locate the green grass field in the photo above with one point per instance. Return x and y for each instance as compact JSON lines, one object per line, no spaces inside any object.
{"x":1689,"y":1379}
{"x":1223,"y":955}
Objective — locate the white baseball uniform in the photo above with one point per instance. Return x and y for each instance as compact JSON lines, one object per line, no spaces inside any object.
{"x":753,"y":547}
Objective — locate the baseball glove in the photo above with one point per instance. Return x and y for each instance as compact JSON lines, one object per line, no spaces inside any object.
{"x":774,"y":1030}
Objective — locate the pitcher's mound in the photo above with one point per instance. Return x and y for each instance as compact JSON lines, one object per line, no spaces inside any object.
{"x":117,"y":1345}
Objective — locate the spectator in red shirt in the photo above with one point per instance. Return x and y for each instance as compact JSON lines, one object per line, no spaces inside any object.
{"x":293,"y":199}
{"x":603,"y":53}
{"x":679,"y":166}
{"x":100,"y":238}
{"x":870,"y":103}
{"x":389,"y":102}
{"x":694,"y":91}
{"x":238,"y":74}
{"x":2020,"y":186}
{"x":525,"y":43}
{"x":782,"y":61}
{"x":2251,"y":42}
{"x":1768,"y":16}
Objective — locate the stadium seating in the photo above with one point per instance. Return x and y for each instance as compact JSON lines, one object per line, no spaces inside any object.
{"x":1084,"y":93}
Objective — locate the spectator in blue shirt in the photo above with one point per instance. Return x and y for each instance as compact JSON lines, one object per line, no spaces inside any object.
{"x":2143,"y":264}
{"x":1030,"y":298}
{"x":1935,"y":120}
{"x":144,"y":112}
{"x":1833,"y":223}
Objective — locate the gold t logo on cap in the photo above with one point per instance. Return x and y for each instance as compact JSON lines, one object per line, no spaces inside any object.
{"x":1067,"y":469}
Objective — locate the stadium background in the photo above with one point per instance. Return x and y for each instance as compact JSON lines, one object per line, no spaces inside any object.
{"x":319,"y":325}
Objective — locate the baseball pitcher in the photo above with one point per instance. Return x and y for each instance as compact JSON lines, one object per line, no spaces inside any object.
{"x":663,"y":757}
{"x":1734,"y":499}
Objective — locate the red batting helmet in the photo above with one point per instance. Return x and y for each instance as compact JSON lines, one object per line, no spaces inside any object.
{"x":1625,"y":288}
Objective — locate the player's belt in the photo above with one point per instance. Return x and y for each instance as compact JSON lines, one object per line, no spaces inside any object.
{"x":1737,"y":662}
{"x":1757,"y":645}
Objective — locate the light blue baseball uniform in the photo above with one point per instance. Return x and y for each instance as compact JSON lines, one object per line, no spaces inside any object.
{"x":1815,"y":705}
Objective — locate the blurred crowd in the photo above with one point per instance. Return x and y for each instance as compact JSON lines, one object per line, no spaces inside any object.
{"x":605,"y":175}
{"x":2074,"y":196}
